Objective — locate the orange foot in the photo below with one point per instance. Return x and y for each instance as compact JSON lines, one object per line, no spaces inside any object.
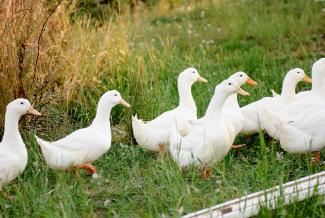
{"x":206,"y":173}
{"x":90,"y":169}
{"x":161,"y":149}
{"x":238,"y":146}
{"x":316,"y":157}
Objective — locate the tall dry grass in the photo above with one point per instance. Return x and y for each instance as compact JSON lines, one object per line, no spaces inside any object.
{"x":44,"y":56}
{"x":32,"y":34}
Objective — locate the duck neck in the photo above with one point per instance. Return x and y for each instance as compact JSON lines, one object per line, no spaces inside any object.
{"x":185,"y":95}
{"x":318,"y":86}
{"x":288,"y":88}
{"x":11,"y":131}
{"x":215,"y":105}
{"x":234,"y":101}
{"x":102,"y":115}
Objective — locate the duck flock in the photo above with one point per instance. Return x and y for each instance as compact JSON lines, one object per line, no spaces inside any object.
{"x":297,"y":120}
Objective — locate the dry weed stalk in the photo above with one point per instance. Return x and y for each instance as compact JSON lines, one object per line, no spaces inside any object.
{"x":50,"y":59}
{"x":29,"y":32}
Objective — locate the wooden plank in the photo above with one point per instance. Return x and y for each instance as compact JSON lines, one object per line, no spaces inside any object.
{"x":249,"y":205}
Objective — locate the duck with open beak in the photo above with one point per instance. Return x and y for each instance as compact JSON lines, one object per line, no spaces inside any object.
{"x":242,"y":92}
{"x":231,"y":107}
{"x":251,"y":82}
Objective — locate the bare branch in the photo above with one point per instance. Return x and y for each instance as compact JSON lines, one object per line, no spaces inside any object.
{"x":40,"y":37}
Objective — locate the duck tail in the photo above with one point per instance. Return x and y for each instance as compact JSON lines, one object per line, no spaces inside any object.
{"x":139,"y":130}
{"x":52,"y":156}
{"x":40,"y":141}
{"x":274,"y":94}
{"x":44,"y":145}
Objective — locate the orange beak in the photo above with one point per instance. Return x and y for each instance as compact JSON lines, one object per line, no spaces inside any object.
{"x":201,"y":79}
{"x":251,"y":82}
{"x":124,"y":103}
{"x":307,"y":79}
{"x":242,"y":91}
{"x":32,"y":111}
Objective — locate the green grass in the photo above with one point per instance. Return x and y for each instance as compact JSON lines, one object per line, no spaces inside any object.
{"x":263,"y":38}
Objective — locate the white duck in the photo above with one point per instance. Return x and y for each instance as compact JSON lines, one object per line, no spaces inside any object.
{"x":154,"y":135}
{"x":210,"y":140}
{"x":253,"y":112}
{"x":82,"y":147}
{"x":13,"y":152}
{"x":231,"y":107}
{"x":299,"y":127}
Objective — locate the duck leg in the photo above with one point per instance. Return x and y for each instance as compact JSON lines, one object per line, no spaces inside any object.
{"x":161,"y":148}
{"x":90,"y":169}
{"x":238,"y":146}
{"x":206,"y":173}
{"x":316,"y":157}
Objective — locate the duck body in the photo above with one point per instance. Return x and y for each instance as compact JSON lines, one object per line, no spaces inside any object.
{"x":84,"y":145}
{"x":254,"y":112}
{"x":232,"y":111}
{"x":13,"y":152}
{"x":254,"y":116}
{"x":207,"y":143}
{"x":153,"y":134}
{"x":299,"y":127}
{"x":211,"y":137}
{"x":251,"y":114}
{"x":13,"y":161}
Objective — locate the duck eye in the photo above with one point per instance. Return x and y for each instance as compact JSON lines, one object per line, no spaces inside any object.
{"x":21,"y":102}
{"x":115,"y":94}
{"x":298,"y":72}
{"x":241,"y":75}
{"x":193,"y":72}
{"x":229,"y":84}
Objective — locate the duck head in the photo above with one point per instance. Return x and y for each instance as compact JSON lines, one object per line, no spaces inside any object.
{"x":230,"y":86}
{"x":221,"y":93}
{"x":21,"y":107}
{"x":191,"y":75}
{"x":113,"y":98}
{"x":108,"y":100}
{"x":241,"y":78}
{"x":298,"y":75}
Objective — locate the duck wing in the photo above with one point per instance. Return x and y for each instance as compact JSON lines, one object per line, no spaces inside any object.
{"x":81,"y":140}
